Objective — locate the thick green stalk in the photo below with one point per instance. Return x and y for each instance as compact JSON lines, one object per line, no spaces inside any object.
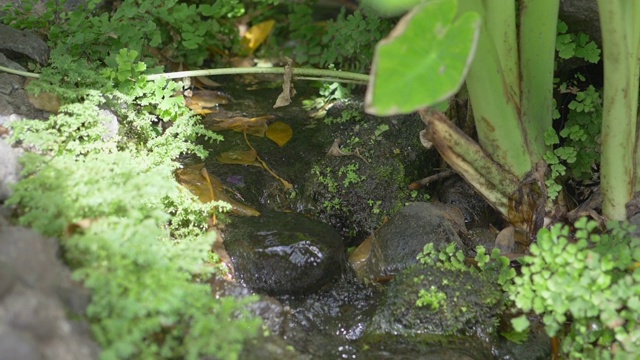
{"x":538,"y":22}
{"x":494,"y":93}
{"x":619,"y":23}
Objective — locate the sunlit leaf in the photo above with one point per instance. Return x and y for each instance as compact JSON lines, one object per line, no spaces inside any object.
{"x":256,"y":35}
{"x":428,"y":49}
{"x":279,"y":132}
{"x":239,"y":157}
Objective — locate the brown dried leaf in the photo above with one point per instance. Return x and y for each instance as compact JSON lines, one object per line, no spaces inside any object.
{"x":288,"y":91}
{"x":191,"y":178}
{"x":280,"y":133}
{"x":201,"y":99}
{"x":253,"y":126}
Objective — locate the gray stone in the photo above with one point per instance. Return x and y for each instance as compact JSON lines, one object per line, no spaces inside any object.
{"x":9,"y":169}
{"x":477,"y":212}
{"x":403,"y":237}
{"x":471,"y":303}
{"x":33,"y":312}
{"x":15,"y":345}
{"x":24,"y":43}
{"x":7,"y":278}
{"x":33,"y":259}
{"x":582,"y":15}
{"x":284,"y":253}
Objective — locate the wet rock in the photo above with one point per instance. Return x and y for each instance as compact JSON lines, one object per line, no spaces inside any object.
{"x":364,"y":176}
{"x":477,"y":212}
{"x":23,"y":42}
{"x":537,"y":346}
{"x":38,"y":301}
{"x":421,"y":347}
{"x":284,"y":253}
{"x":471,"y":304}
{"x":13,"y":98}
{"x":403,"y":237}
{"x":582,"y":15}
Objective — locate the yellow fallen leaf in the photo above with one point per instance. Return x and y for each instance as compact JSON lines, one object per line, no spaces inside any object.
{"x":239,"y":157}
{"x":280,"y":133}
{"x":256,"y":35}
{"x":210,"y":189}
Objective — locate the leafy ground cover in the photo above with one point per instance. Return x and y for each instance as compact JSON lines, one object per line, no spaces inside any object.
{"x":141,"y":245}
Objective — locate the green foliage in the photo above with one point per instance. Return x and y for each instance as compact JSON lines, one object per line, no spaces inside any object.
{"x":578,"y":153}
{"x":106,"y":163}
{"x":569,"y":45}
{"x":184,"y":31}
{"x":346,"y":42}
{"x":349,"y":173}
{"x":451,"y":258}
{"x":589,"y":280}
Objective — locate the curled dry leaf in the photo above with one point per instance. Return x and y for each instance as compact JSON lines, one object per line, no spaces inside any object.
{"x":288,"y":91}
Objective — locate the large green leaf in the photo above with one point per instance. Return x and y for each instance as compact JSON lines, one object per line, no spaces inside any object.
{"x":424,"y":60}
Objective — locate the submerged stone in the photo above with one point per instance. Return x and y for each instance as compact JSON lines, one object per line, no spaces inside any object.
{"x":284,"y":253}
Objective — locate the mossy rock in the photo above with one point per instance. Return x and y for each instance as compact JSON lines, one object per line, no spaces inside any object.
{"x":472,"y":302}
{"x":378,"y":158}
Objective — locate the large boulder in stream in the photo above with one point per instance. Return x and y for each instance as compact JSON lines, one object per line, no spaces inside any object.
{"x":472,"y":303}
{"x":284,"y":253}
{"x":398,"y":243}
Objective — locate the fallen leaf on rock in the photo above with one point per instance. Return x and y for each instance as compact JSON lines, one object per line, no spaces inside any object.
{"x":280,"y":133}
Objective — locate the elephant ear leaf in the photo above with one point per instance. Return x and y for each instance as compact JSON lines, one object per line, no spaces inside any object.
{"x":424,"y":59}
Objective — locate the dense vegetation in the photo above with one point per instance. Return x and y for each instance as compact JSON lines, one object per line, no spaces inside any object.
{"x":141,"y":245}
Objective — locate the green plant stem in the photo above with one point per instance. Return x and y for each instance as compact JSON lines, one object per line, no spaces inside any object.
{"x":538,"y":27}
{"x":18,"y":72}
{"x":494,"y":90}
{"x":334,"y":75}
{"x":301,"y":73}
{"x":619,"y":22}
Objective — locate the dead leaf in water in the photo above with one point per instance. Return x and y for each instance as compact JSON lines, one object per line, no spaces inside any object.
{"x":253,"y":126}
{"x":280,"y":133}
{"x":210,"y":188}
{"x":239,"y":157}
